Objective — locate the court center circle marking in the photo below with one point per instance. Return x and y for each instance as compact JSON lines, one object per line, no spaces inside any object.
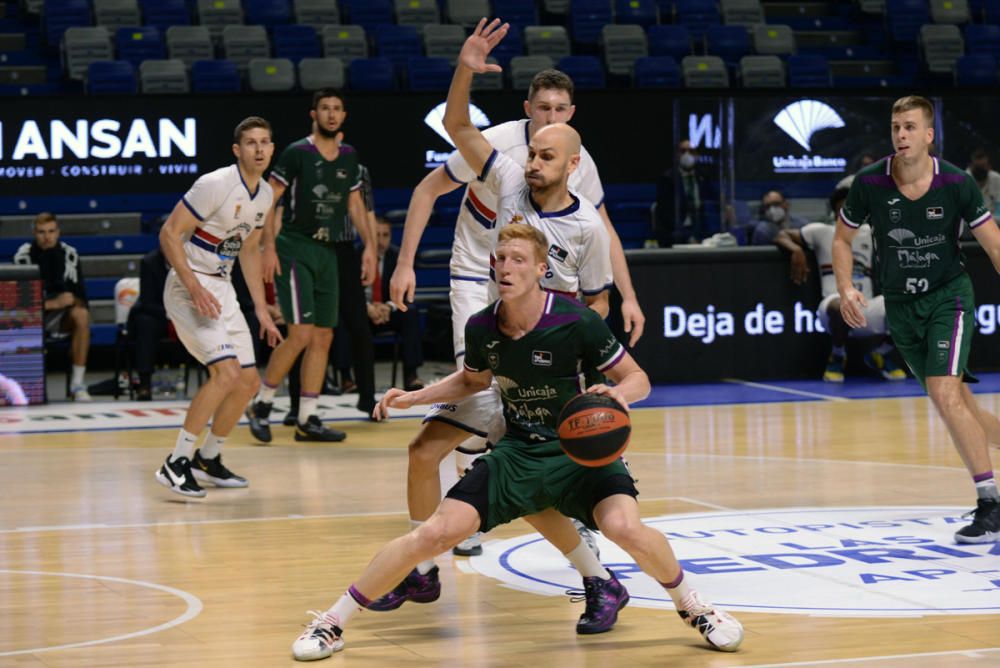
{"x":194,"y":608}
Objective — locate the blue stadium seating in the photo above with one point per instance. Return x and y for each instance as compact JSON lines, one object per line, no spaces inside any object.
{"x":215,"y":76}
{"x":669,"y":40}
{"x":295,"y":42}
{"x":728,"y":42}
{"x":369,"y":13}
{"x":697,"y":15}
{"x":58,"y":15}
{"x":398,"y":44}
{"x":904,"y":18}
{"x":990,"y":11}
{"x":982,"y":39}
{"x":164,"y":13}
{"x":976,"y":70}
{"x":512,"y":45}
{"x":372,"y":74}
{"x":638,"y":12}
{"x":586,"y":71}
{"x":516,"y":12}
{"x":267,"y":12}
{"x":111,"y":77}
{"x":808,"y":72}
{"x":429,"y":74}
{"x":135,"y":45}
{"x":586,"y":18}
{"x":657,"y":72}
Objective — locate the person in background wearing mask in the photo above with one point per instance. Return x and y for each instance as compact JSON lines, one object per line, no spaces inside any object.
{"x":987,"y":179}
{"x":681,"y":193}
{"x":774,"y":217}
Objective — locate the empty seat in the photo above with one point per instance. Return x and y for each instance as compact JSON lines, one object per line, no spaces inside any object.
{"x":704,"y":72}
{"x":696,"y":16}
{"x":941,"y":45}
{"x":428,"y":74}
{"x":164,"y":13}
{"x":728,"y":42}
{"x":983,"y":39}
{"x":523,"y":69}
{"x":636,"y":12}
{"x":976,"y":70}
{"x":59,"y":15}
{"x":215,"y":76}
{"x":950,"y":11}
{"x":585,"y":71}
{"x":587,"y":18}
{"x":872,"y":6}
{"x":346,"y":42}
{"x":369,"y":13}
{"x":138,"y":44}
{"x":241,"y":44}
{"x":488,"y":80}
{"x":657,"y":72}
{"x":443,"y":41}
{"x":217,"y":14}
{"x":371,"y":74}
{"x":82,"y":46}
{"x":552,"y":41}
{"x":398,"y":43}
{"x":271,"y":74}
{"x":516,"y":12}
{"x":116,"y":13}
{"x":317,"y":13}
{"x":904,"y":18}
{"x":669,"y":40}
{"x":468,"y":12}
{"x":762,"y":72}
{"x":512,"y":45}
{"x":316,"y":73}
{"x":991,"y":12}
{"x":295,"y":42}
{"x":163,"y":76}
{"x":808,"y":72}
{"x":746,"y":13}
{"x":110,"y":77}
{"x":417,"y":13}
{"x":267,"y":12}
{"x":189,"y":44}
{"x":776,"y":40}
{"x":622,"y":44}
{"x":556,"y":6}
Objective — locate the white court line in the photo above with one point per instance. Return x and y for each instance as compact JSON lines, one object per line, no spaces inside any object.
{"x":194,"y":607}
{"x":786,"y":390}
{"x":888,"y":657}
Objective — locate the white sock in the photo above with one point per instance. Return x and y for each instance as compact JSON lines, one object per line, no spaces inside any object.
{"x":987,"y":487}
{"x":307,"y":406}
{"x":424,"y":567}
{"x":212,"y":445}
{"x":184,"y":446}
{"x":77,"y":378}
{"x":678,"y":589}
{"x":266,"y":393}
{"x":345,"y":608}
{"x":586,"y":563}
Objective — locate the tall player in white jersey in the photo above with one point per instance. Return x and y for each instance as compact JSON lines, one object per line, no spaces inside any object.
{"x":219,"y":219}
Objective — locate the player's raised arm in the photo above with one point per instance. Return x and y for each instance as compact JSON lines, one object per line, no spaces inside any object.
{"x":468,"y":140}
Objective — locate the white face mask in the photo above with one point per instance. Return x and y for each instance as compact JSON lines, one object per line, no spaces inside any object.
{"x":687,"y":160}
{"x":775,"y":213}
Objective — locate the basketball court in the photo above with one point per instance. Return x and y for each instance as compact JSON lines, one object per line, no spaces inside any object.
{"x":821,"y":516}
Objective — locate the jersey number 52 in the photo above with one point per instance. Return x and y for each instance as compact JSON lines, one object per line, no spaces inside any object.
{"x":916,"y":285}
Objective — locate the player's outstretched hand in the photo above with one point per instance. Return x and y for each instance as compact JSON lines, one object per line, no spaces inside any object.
{"x":269,"y":265}
{"x":635,"y":321}
{"x":205,"y":302}
{"x":268,"y":330}
{"x":482,"y":40}
{"x":852,"y":307}
{"x":612,"y":392}
{"x":402,"y":286}
{"x":393,"y":398}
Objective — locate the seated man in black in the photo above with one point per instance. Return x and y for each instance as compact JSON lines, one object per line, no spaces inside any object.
{"x":147,"y":321}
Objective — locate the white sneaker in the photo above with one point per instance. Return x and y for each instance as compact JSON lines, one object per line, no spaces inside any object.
{"x":719,"y":628}
{"x":321,"y":638}
{"x":588,"y":537}
{"x":79,"y":393}
{"x":470,"y":547}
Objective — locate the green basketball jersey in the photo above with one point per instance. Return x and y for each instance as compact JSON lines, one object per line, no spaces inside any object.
{"x":317,"y":190}
{"x":916,"y":241}
{"x":566,"y":352}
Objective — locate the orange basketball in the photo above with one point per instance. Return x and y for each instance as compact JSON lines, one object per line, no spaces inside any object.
{"x":594,"y":429}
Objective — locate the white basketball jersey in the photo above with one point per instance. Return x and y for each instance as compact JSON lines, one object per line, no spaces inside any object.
{"x":227,"y":213}
{"x":474,"y":228}
{"x":579,"y":260}
{"x":818,"y":237}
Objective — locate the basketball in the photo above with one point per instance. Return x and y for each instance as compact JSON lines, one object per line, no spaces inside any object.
{"x":594,"y":429}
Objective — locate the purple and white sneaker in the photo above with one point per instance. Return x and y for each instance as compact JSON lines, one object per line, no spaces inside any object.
{"x":416,"y":587}
{"x":604,"y":599}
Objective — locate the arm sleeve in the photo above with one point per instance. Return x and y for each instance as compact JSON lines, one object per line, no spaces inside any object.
{"x":501,"y":174}
{"x":856,"y":208}
{"x":815,"y":234}
{"x":594,"y":267}
{"x":474,"y":358}
{"x":457,"y":169}
{"x":600,"y":349}
{"x":267,"y":199}
{"x":204,"y":197}
{"x":286,"y":169}
{"x":973,"y":208}
{"x":589,"y":184}
{"x":359,"y":176}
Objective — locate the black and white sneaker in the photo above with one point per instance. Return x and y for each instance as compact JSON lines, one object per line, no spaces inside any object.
{"x":291,"y":417}
{"x":313,"y":430}
{"x":177,"y":477}
{"x":258,"y":413}
{"x":985,"y":527}
{"x":213,"y":471}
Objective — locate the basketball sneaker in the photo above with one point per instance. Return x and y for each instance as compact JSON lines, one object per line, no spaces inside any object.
{"x":80,"y":394}
{"x":416,"y":587}
{"x":470,"y":547}
{"x":321,"y":638}
{"x":291,"y":417}
{"x":834,"y":372}
{"x":985,"y":527}
{"x":176,"y":476}
{"x":718,"y":628}
{"x":884,"y":365}
{"x":604,"y":599}
{"x":215,"y":472}
{"x":588,"y":537}
{"x":313,"y":430}
{"x":258,"y":413}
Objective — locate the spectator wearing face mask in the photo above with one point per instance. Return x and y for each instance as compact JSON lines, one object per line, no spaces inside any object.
{"x":681,"y":195}
{"x":987,"y":179}
{"x":774,"y":217}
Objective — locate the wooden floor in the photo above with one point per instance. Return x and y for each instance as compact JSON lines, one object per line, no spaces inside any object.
{"x":99,"y":566}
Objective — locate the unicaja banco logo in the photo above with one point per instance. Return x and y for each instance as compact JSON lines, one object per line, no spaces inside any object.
{"x":435,"y":120}
{"x":801,"y":120}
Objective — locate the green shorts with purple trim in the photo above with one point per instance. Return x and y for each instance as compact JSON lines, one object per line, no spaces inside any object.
{"x":933,"y":332}
{"x":308,"y":290}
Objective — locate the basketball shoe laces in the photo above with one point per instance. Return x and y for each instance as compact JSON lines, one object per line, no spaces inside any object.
{"x":594,"y":603}
{"x":981,"y":515}
{"x":324,"y":627}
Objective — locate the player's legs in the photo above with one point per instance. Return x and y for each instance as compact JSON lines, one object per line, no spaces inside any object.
{"x":962,"y":421}
{"x":426,"y":452}
{"x":989,"y":421}
{"x":77,"y":322}
{"x":833,"y":322}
